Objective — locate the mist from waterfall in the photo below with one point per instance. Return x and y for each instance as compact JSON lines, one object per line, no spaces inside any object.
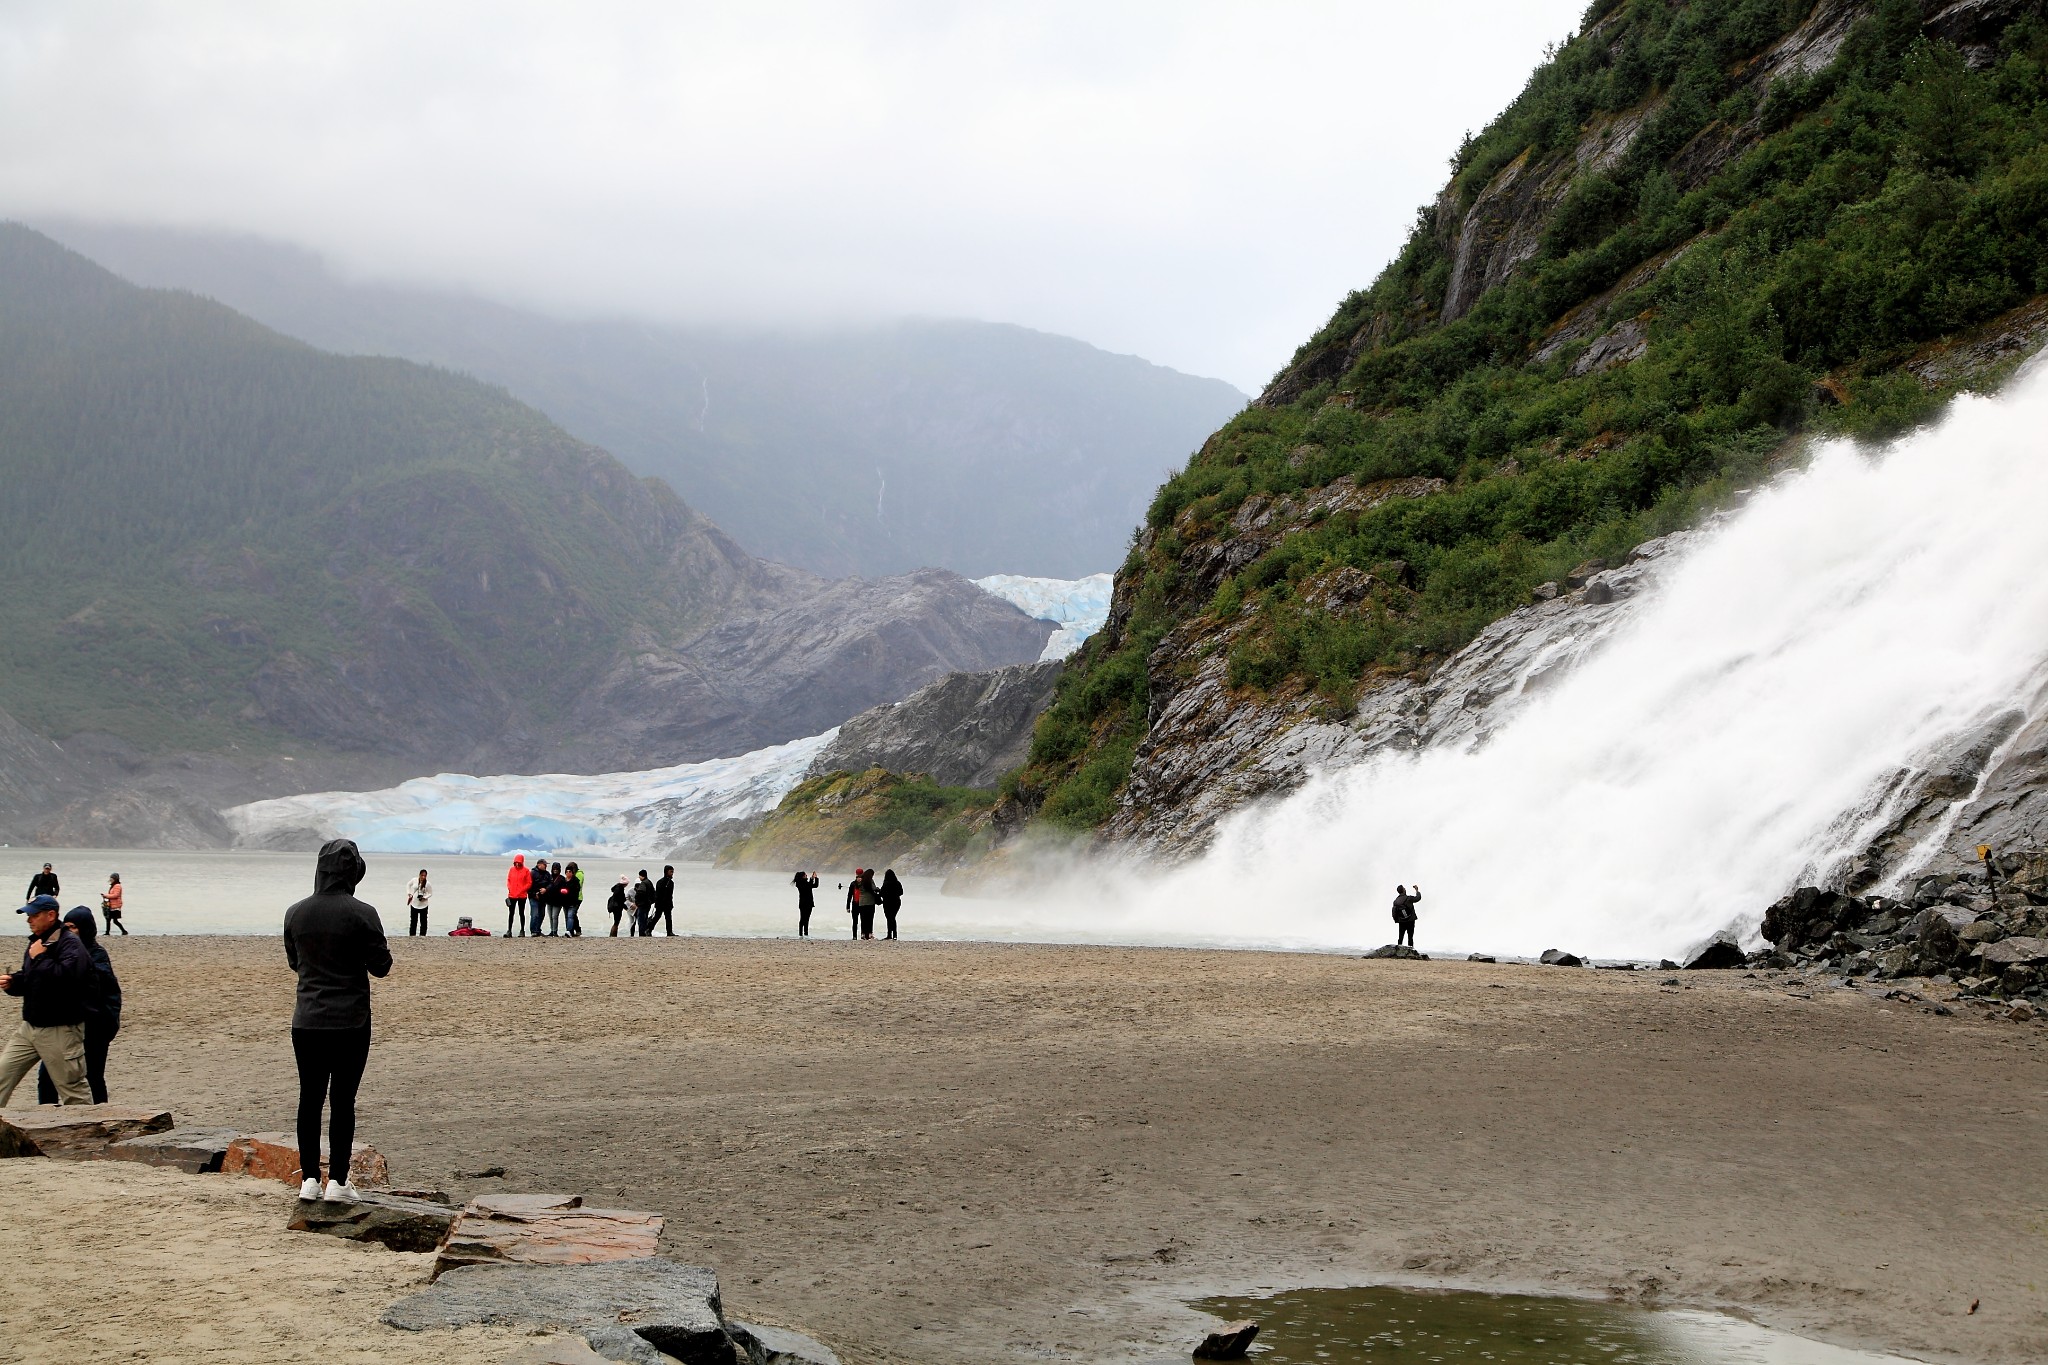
{"x":1849,"y":619}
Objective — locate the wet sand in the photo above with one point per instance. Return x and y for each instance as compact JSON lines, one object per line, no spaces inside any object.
{"x":940,"y":1152}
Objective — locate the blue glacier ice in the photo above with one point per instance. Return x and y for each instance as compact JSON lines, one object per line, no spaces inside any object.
{"x":1079,"y":606}
{"x":627,"y":815}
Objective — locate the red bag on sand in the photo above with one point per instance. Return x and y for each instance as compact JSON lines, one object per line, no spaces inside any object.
{"x":469,"y":931}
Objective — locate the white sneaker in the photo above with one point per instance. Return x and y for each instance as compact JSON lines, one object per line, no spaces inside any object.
{"x":309,"y":1189}
{"x":337,"y":1190}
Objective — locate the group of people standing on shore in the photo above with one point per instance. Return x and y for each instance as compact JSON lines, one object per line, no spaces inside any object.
{"x":863,"y":895}
{"x":549,"y":894}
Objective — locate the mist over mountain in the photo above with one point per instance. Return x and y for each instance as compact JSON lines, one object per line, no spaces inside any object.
{"x":978,"y":447}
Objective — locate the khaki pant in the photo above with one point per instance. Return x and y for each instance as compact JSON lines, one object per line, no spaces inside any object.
{"x":60,"y":1048}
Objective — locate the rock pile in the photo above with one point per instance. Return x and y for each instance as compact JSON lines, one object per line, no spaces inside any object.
{"x":1990,"y":939}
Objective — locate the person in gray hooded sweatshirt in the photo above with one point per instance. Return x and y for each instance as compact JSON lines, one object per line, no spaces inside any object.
{"x":336,"y":944}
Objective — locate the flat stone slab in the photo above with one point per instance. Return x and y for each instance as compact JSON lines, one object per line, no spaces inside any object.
{"x":75,"y":1132}
{"x":540,"y":1229}
{"x":563,"y":1350}
{"x":275,"y":1156}
{"x":673,"y":1308}
{"x":779,"y":1345}
{"x":196,"y":1151}
{"x":2018,"y":951}
{"x":387,"y":1219}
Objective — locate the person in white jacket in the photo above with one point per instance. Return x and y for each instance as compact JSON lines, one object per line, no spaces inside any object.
{"x":417,"y":894}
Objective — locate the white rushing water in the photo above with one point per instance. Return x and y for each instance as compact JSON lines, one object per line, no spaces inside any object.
{"x":1849,"y":619}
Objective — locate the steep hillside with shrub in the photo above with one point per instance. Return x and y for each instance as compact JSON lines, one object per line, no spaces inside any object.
{"x":1701,"y":229}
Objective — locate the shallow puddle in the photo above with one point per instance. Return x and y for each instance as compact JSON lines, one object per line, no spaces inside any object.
{"x":1385,"y":1325}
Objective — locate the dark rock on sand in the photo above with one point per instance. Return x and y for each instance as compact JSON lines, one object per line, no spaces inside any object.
{"x":75,"y":1132}
{"x":1400,"y":950}
{"x":1228,"y":1342}
{"x":387,"y":1219}
{"x":779,"y":1345}
{"x":673,"y":1308}
{"x":1716,"y":954}
{"x":196,"y":1151}
{"x":1479,"y":957}
{"x":1557,"y":957}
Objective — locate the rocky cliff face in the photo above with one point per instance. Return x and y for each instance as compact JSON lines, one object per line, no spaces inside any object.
{"x":965,"y":730}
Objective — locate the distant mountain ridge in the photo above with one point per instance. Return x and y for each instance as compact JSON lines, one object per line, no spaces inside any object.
{"x":978,"y":447}
{"x":231,"y":553}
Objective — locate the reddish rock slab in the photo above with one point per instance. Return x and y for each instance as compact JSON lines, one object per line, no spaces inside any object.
{"x":275,"y":1156}
{"x":75,"y":1132}
{"x":542,"y":1229}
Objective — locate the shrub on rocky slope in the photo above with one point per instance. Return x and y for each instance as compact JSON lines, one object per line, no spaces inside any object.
{"x":1701,"y":229}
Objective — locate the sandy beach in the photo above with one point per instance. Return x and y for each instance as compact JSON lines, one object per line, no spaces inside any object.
{"x":939,"y":1152}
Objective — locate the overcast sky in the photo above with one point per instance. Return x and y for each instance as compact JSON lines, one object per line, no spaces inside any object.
{"x":1198,"y":183}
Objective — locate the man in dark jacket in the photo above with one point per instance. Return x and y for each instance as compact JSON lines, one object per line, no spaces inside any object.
{"x":643,"y":905}
{"x":102,"y":1015}
{"x":336,"y":944}
{"x":56,"y":988}
{"x":805,"y":882}
{"x":1404,"y":914}
{"x":44,"y":883}
{"x":664,"y":902}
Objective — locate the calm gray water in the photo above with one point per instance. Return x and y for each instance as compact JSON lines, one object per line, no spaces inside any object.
{"x":1383,"y":1325}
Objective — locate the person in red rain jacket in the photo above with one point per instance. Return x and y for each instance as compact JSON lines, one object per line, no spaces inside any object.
{"x":518,"y":881}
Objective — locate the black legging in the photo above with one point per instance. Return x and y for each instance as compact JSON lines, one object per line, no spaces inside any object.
{"x":889,"y":914}
{"x":97,"y":1039}
{"x":1404,"y":932}
{"x":331,"y":1062}
{"x":803,"y":921}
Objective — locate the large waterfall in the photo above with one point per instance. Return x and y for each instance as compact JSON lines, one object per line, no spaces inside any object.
{"x":1715,"y":744}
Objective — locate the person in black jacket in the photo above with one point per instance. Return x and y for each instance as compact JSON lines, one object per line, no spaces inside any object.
{"x":44,"y":883}
{"x":805,"y":883}
{"x":56,"y":989}
{"x":336,"y":944}
{"x":102,"y":1012}
{"x":664,"y":902}
{"x":1404,"y":914}
{"x":892,"y":899}
{"x":643,"y":905}
{"x":616,"y":903}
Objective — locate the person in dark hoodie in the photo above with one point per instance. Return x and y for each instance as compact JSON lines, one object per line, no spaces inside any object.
{"x":44,"y":883}
{"x":336,"y":944}
{"x":616,"y":903}
{"x":102,"y":1012}
{"x":56,"y":989}
{"x":892,"y":899}
{"x":664,"y":902}
{"x":870,"y":897}
{"x":805,"y":883}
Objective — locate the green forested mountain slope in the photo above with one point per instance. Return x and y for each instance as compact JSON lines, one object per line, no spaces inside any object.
{"x":1703,"y":226}
{"x":221,"y":536}
{"x":974,"y":446}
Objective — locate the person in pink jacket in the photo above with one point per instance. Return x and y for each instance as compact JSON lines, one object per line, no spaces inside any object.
{"x":518,"y":881}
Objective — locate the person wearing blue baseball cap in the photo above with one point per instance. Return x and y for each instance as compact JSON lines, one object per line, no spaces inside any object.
{"x":56,"y":987}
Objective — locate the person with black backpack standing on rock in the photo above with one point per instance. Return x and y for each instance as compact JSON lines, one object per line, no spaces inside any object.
{"x":336,"y":944}
{"x":805,"y":883}
{"x":1404,"y":915}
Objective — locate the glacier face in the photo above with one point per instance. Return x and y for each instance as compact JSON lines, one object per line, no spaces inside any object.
{"x":1079,"y":606}
{"x":628,"y":814}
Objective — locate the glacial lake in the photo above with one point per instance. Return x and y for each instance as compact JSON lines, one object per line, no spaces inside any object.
{"x":1384,"y":1325}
